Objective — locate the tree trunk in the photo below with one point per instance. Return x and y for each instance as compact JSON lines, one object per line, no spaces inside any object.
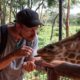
{"x":30,"y":4}
{"x":53,"y":23}
{"x":67,"y":19}
{"x":74,"y":1}
{"x":0,"y":12}
{"x":10,"y":11}
{"x":4,"y":12}
{"x":40,"y":4}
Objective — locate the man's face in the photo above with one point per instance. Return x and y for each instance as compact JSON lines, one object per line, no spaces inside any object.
{"x":28,"y":33}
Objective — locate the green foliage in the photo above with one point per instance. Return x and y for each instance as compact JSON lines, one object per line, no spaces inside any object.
{"x":75,"y":1}
{"x":45,"y":32}
{"x":51,"y":2}
{"x":35,"y":75}
{"x":75,"y":21}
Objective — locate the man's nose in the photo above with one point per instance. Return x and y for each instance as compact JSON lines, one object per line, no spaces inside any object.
{"x":34,"y":32}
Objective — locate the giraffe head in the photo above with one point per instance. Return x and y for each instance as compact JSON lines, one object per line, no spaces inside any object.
{"x":62,"y":48}
{"x":49,"y":51}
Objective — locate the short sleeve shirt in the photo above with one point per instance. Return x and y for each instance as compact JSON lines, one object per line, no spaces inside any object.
{"x":14,"y":70}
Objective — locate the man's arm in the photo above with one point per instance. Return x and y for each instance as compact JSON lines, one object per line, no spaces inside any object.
{"x":24,"y":51}
{"x":6,"y":61}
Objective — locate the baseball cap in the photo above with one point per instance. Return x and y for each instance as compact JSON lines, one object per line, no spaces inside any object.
{"x":28,"y":17}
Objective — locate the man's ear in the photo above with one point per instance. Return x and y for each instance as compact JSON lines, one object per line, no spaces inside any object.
{"x":18,"y":27}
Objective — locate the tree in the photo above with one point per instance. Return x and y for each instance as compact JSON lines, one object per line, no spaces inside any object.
{"x":67,"y":19}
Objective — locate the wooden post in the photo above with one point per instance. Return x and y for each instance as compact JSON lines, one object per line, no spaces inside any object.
{"x":60,"y":20}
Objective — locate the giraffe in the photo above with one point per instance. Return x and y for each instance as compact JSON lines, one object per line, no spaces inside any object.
{"x":67,"y":49}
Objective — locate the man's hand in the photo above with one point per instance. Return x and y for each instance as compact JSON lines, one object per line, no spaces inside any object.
{"x":29,"y":66}
{"x":23,"y":51}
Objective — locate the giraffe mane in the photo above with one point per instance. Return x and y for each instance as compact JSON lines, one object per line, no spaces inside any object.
{"x":70,"y":38}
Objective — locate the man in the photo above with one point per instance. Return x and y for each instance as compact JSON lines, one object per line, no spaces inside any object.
{"x":17,"y":55}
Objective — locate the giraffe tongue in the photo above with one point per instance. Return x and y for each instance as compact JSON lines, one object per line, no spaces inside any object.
{"x":37,"y":56}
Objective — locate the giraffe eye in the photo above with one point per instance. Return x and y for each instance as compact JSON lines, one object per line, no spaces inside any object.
{"x":49,"y":51}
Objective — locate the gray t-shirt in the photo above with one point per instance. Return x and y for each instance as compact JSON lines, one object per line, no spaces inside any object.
{"x":14,"y":70}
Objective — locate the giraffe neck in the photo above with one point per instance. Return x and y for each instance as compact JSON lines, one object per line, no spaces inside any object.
{"x":69,"y":52}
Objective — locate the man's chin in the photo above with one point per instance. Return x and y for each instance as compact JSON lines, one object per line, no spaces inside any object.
{"x":30,"y":39}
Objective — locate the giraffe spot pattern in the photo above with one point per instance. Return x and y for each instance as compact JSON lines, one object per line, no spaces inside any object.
{"x":78,"y":57}
{"x":71,"y":56}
